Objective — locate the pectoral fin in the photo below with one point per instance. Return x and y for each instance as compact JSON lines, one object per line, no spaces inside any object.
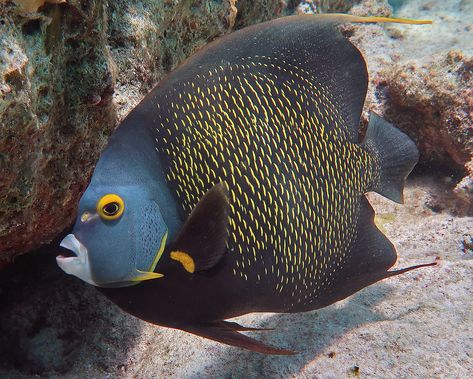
{"x":201,"y":242}
{"x":227,"y":333}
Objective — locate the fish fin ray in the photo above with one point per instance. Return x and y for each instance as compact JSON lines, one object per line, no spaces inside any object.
{"x":346,"y":18}
{"x":372,"y":251}
{"x":407,"y":269}
{"x":239,"y":328}
{"x":139,"y":276}
{"x":371,"y":255}
{"x":228,"y":335}
{"x":204,"y":234}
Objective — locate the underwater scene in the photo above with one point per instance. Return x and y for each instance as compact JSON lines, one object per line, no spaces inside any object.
{"x":236,"y":189}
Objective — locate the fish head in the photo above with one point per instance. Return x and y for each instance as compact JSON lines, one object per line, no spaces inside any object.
{"x":118,"y":237}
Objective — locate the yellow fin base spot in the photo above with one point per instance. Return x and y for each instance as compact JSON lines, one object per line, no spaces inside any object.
{"x":143,"y":275}
{"x":340,"y":17}
{"x":185,"y":259}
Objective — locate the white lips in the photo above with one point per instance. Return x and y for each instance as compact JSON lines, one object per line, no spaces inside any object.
{"x":79,"y":265}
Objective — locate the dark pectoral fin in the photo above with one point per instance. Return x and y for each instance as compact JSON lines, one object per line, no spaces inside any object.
{"x":202,"y":241}
{"x":227,"y":333}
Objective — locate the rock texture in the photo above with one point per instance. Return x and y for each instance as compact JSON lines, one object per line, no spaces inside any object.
{"x":56,"y":112}
{"x":68,"y":73}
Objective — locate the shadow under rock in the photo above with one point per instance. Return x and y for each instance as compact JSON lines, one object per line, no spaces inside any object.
{"x":54,"y":325}
{"x":310,"y":334}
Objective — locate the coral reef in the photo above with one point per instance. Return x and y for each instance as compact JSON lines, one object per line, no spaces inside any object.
{"x":434,"y":101}
{"x":67,"y":74}
{"x":56,"y":112}
{"x":324,"y":6}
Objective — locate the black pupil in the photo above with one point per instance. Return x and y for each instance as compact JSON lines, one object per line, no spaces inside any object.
{"x":111,"y":209}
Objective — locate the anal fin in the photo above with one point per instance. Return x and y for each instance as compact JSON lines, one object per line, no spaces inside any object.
{"x":370,"y":258}
{"x":373,"y":250}
{"x":239,"y":328}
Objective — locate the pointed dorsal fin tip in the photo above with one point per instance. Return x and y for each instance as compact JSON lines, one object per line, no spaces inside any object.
{"x":342,"y":18}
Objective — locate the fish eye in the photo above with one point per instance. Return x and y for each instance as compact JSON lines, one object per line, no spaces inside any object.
{"x":110,"y":207}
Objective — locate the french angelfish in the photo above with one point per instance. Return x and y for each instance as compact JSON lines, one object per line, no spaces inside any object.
{"x":238,"y":185}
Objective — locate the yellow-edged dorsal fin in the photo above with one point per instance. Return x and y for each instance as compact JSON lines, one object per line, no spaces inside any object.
{"x":341,"y":18}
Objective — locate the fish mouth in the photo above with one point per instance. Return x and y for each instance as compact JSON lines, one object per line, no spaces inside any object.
{"x":76,"y":251}
{"x":78,"y":264}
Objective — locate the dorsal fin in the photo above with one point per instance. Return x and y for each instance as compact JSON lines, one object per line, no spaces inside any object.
{"x":307,"y":53}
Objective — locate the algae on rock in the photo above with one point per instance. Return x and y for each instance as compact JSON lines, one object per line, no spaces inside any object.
{"x":52,"y":64}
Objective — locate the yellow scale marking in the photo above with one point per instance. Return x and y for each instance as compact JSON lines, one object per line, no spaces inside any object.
{"x":256,"y":132}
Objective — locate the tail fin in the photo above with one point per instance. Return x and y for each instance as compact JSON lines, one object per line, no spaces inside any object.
{"x":395,"y":157}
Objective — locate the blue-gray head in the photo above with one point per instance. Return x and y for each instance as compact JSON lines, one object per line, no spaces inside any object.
{"x":120,"y":232}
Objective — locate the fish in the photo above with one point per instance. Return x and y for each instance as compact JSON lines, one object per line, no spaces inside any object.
{"x":238,"y":184}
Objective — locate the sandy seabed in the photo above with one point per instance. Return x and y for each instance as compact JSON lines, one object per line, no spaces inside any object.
{"x":418,"y":325}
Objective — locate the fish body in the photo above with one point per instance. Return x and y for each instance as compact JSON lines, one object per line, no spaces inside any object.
{"x":242,"y":179}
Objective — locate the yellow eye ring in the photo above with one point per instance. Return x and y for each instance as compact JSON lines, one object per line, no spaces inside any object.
{"x":110,"y":207}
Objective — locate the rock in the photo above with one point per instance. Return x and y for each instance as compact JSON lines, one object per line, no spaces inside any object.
{"x":372,"y":8}
{"x":415,"y":325}
{"x":68,"y":74}
{"x":324,"y":6}
{"x":44,"y":350}
{"x":46,"y":317}
{"x":51,"y":64}
{"x":434,"y":102}
{"x":33,"y":5}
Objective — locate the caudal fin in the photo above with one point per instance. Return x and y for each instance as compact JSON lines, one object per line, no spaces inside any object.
{"x":395,"y":156}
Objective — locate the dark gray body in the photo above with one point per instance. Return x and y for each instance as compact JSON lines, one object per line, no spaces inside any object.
{"x":272,"y":111}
